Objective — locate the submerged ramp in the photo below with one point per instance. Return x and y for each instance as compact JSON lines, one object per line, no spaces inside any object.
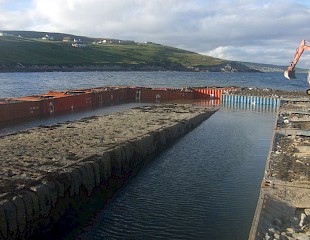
{"x":51,"y":171}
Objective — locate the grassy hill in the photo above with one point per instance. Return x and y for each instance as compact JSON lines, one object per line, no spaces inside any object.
{"x":30,"y":52}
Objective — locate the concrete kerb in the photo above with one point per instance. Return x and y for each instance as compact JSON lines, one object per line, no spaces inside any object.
{"x":88,"y":178}
{"x":11,"y":218}
{"x":116,"y":162}
{"x":30,"y":198}
{"x":162,"y":140}
{"x":106,"y":165}
{"x":75,"y":181}
{"x":53,"y":189}
{"x":3,"y":223}
{"x":129,"y":152}
{"x":29,"y":206}
{"x":263,"y":193}
{"x":96,"y":170}
{"x":20,"y":213}
{"x":44,"y":196}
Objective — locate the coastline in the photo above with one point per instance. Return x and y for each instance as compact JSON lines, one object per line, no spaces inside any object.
{"x":226,"y":67}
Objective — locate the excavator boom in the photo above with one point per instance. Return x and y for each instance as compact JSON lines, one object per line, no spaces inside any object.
{"x":290,"y":72}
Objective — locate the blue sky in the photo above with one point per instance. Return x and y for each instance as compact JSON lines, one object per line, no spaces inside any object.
{"x":18,"y":5}
{"x":245,"y":30}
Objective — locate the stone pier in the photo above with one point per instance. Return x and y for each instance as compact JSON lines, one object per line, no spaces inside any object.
{"x":283,"y":209}
{"x":51,"y":174}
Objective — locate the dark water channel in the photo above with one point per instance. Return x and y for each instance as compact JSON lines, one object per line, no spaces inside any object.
{"x":205,"y":186}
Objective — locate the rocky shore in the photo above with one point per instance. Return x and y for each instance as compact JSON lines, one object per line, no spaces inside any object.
{"x":267,"y":92}
{"x":92,"y":67}
{"x":160,"y":66}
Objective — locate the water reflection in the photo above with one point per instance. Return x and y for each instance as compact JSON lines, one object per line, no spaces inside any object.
{"x":249,"y":107}
{"x":204,"y":187}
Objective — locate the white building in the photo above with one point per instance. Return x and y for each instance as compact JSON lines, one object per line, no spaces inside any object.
{"x":47,"y":37}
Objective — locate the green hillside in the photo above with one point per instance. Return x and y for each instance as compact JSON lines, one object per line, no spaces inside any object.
{"x":20,"y":53}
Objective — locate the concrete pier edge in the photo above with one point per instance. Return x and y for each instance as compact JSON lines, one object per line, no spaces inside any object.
{"x":282,"y":210}
{"x":262,"y":196}
{"x":57,"y":199}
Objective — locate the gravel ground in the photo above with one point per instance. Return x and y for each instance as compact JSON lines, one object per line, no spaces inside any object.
{"x":27,"y":156}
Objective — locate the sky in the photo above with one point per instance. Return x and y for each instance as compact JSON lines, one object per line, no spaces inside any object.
{"x":258,"y":31}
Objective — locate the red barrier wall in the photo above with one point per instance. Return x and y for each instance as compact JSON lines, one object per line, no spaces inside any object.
{"x":56,"y":102}
{"x":19,"y":110}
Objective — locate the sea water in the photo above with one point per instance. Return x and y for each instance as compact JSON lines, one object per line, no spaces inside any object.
{"x":24,"y":84}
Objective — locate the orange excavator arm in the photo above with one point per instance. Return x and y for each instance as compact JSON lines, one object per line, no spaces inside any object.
{"x":290,"y":72}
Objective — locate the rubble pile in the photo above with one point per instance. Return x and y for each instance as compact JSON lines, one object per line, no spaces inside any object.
{"x":291,"y":228}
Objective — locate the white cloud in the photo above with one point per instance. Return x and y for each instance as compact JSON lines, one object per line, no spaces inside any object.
{"x":248,"y":30}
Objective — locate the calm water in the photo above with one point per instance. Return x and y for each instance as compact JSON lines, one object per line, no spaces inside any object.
{"x":23,"y":84}
{"x":205,"y":186}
